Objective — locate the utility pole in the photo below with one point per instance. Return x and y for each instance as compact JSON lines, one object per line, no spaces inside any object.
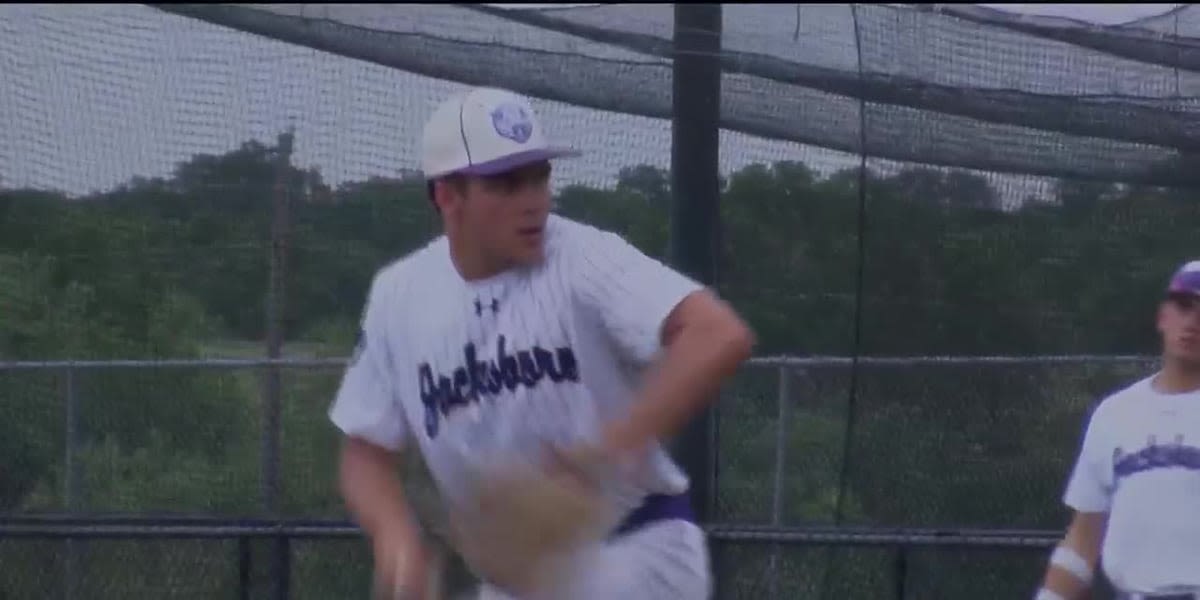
{"x":695,"y":210}
{"x":695,"y":198}
{"x":272,"y":392}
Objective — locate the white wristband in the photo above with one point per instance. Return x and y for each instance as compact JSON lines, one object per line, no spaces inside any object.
{"x":1066,"y":558}
{"x":1045,"y":594}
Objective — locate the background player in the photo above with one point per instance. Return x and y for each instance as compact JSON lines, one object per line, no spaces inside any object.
{"x":517,"y":331}
{"x":1135,"y":488}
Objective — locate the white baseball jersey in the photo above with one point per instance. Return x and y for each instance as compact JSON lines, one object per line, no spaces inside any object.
{"x":1140,"y":462}
{"x":474,"y":372}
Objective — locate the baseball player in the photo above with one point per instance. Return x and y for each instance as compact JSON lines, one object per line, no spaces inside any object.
{"x":1135,"y":487}
{"x":520,"y":335}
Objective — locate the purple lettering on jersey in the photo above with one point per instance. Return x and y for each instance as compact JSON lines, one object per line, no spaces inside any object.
{"x":1156,"y":456}
{"x":531,"y":371}
{"x":442,"y":395}
{"x":508,"y":366}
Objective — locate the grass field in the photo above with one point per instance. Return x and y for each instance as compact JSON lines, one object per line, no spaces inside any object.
{"x":247,"y":349}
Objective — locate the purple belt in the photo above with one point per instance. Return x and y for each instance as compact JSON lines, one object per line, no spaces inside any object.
{"x":655,"y":508}
{"x":1184,"y":596}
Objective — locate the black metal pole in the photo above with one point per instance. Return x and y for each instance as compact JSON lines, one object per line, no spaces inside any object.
{"x":272,"y":405}
{"x":244,"y":567}
{"x":900,"y":572}
{"x":695,"y":203}
{"x":276,"y":286}
{"x":73,"y":563}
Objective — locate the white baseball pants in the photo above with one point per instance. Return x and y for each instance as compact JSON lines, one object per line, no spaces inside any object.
{"x":667,"y":560}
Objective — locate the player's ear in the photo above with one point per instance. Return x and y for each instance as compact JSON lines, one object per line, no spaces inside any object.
{"x":430,"y":192}
{"x":445,"y":193}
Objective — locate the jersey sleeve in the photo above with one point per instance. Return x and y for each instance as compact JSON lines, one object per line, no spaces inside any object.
{"x":1089,"y":488}
{"x":633,"y":294}
{"x":366,"y":405}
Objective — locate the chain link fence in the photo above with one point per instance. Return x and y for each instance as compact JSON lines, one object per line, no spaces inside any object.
{"x":935,"y":463}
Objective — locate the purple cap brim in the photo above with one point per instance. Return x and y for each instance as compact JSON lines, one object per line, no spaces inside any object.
{"x":1187,"y":282}
{"x":518,"y":160}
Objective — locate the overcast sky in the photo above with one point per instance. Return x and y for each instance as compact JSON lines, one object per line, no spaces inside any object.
{"x":1096,"y":13}
{"x":92,"y":95}
{"x":1110,"y":14}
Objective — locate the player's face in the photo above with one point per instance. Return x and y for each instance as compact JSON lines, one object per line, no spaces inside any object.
{"x":506,"y":214}
{"x":1179,"y":324}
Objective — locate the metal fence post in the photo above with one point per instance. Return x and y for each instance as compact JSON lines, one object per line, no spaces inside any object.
{"x":272,"y":405}
{"x":782,"y":413}
{"x":72,"y":480}
{"x":283,"y":556}
{"x":244,"y":567}
{"x":901,"y":571}
{"x":695,"y":206}
{"x":693,"y":245}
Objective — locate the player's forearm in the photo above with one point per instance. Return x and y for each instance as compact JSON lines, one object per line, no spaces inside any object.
{"x":372,"y":491}
{"x":685,"y":378}
{"x":1073,"y":563}
{"x":1063,"y":585}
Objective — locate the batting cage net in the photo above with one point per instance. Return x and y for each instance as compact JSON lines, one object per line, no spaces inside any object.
{"x":949,"y":226}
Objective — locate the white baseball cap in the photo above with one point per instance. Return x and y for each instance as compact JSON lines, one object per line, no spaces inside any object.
{"x":485,"y":131}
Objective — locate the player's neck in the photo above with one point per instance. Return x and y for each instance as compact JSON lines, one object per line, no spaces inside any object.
{"x":1177,"y":378}
{"x":471,"y":263}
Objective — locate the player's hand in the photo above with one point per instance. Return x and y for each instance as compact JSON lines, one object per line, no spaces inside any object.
{"x":624,"y":442}
{"x":402,"y":568}
{"x":526,"y":519}
{"x":585,"y":467}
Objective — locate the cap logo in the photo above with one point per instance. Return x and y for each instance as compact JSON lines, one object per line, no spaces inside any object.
{"x":513,"y":122}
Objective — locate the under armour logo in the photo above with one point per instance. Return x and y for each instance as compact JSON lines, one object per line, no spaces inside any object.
{"x":494,"y":306}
